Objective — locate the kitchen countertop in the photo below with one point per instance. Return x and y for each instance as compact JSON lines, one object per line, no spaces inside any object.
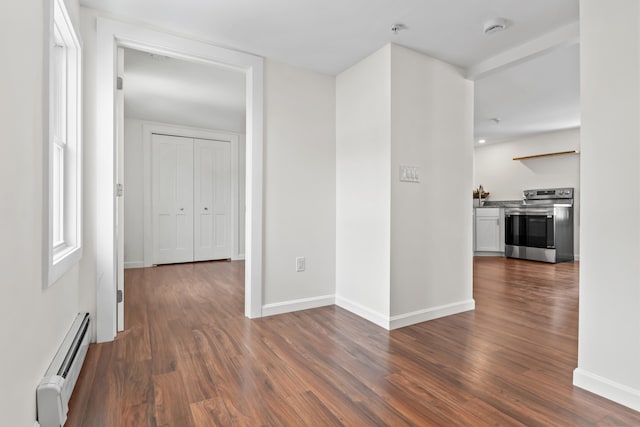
{"x":499,"y":203}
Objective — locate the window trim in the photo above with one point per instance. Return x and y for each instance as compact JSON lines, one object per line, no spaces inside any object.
{"x":60,"y":257}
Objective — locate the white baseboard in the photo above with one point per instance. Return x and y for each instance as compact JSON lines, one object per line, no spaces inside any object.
{"x":364,"y":312}
{"x":296,"y":305}
{"x":406,"y":319}
{"x":575,"y":257}
{"x":402,"y":320}
{"x":133,"y":264}
{"x":606,"y":388}
{"x":482,"y":253}
{"x":240,"y":257}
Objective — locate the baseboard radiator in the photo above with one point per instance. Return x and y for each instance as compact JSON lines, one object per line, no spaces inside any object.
{"x":54,"y":391}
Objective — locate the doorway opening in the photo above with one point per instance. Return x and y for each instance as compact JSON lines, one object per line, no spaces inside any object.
{"x":181,"y":163}
{"x":111,"y":36}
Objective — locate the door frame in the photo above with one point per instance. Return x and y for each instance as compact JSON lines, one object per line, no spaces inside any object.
{"x":119,"y":120}
{"x":150,"y":128}
{"x":112,"y":34}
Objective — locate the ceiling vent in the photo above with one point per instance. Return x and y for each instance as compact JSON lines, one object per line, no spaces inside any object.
{"x":495,"y":26}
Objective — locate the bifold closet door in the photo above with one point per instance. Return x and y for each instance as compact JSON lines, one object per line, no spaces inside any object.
{"x":212,"y":200}
{"x":172,"y":199}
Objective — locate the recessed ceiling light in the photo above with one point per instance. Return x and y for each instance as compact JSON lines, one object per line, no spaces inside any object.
{"x":495,"y":25}
{"x":482,"y":141}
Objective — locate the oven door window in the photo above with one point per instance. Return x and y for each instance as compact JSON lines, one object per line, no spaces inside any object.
{"x":515,"y":230}
{"x":540,"y":231}
{"x":534,"y":231}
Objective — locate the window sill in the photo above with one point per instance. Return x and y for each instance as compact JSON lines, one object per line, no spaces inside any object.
{"x":61,"y":262}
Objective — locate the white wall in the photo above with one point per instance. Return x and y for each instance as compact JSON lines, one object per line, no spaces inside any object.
{"x":505,"y":178}
{"x":363,"y":192}
{"x":609,"y":330}
{"x":299,"y":188}
{"x":403,"y":249}
{"x":299,"y":181}
{"x":134,"y":192}
{"x":33,"y":320}
{"x":88,"y":267}
{"x":431,"y":128}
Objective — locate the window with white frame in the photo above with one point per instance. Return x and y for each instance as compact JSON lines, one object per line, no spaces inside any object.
{"x":63,"y":238}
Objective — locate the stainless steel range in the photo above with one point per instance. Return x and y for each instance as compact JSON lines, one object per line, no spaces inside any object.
{"x":541,"y":228}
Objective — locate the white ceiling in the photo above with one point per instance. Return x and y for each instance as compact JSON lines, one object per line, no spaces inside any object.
{"x":168,"y":90}
{"x":331,"y":35}
{"x":539,"y":95}
{"x":328,"y":36}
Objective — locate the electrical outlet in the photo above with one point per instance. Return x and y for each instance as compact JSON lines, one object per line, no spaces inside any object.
{"x":301,"y":263}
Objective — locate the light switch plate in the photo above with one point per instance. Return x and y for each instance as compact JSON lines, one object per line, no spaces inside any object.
{"x":301,"y":263}
{"x":409,"y":173}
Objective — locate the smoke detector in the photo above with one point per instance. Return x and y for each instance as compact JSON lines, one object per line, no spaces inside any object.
{"x":495,"y":25}
{"x":396,"y":28}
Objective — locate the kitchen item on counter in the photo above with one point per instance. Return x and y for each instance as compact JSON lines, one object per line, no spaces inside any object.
{"x":480,"y":195}
{"x":541,"y":228}
{"x":477,"y":195}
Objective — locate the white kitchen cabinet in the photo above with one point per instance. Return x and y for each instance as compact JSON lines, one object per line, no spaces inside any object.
{"x":489,"y":234}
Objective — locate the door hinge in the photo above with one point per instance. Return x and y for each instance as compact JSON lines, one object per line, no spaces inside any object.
{"x":119,"y":190}
{"x":119,"y":296}
{"x":119,"y":83}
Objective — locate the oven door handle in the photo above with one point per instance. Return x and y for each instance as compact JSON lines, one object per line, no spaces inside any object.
{"x":528,"y":211}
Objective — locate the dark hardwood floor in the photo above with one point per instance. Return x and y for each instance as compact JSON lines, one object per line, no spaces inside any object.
{"x":189,"y":357}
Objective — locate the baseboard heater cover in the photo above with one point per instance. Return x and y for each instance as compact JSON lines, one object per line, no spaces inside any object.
{"x":54,"y":391}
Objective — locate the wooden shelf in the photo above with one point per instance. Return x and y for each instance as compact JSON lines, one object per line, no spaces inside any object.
{"x":559,"y":153}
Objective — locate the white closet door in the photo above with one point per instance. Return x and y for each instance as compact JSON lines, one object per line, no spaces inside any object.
{"x":172,"y":199}
{"x":212,"y":204}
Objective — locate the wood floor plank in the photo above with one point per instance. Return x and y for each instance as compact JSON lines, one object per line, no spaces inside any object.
{"x":102,"y":399}
{"x":214,"y":412}
{"x":170,"y":401}
{"x":189,"y":357}
{"x":79,"y":399}
{"x":138,"y":396}
{"x":192,"y":365}
{"x":163,"y":348}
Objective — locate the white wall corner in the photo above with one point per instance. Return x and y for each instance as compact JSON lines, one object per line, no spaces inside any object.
{"x":407,"y":319}
{"x":297,"y":305}
{"x":606,"y":388}
{"x":364,"y":312}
